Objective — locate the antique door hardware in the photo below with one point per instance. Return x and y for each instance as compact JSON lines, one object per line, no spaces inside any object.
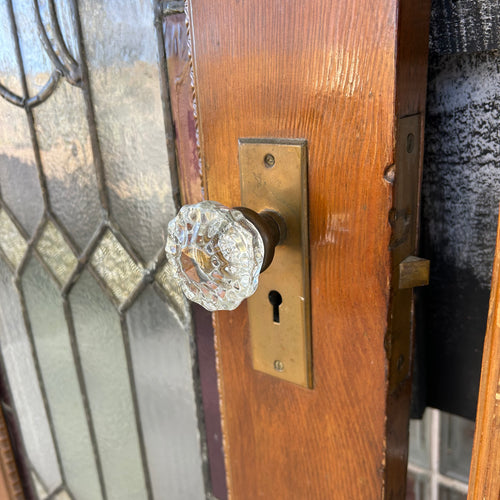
{"x":216,"y":254}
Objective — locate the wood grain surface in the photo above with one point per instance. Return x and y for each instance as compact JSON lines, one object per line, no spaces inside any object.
{"x":10,"y":485}
{"x":484,"y":479}
{"x":338,"y":73}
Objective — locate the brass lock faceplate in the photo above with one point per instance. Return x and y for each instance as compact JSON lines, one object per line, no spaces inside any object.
{"x":274,"y":177}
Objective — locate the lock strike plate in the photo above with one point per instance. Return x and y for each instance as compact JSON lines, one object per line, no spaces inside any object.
{"x":274,"y":177}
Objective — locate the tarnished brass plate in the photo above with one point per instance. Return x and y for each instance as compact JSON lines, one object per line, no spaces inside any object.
{"x":413,"y":272}
{"x":274,"y":177}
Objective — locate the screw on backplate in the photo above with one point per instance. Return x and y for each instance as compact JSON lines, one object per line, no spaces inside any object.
{"x":410,"y":143}
{"x":269,"y":160}
{"x":279,"y":366}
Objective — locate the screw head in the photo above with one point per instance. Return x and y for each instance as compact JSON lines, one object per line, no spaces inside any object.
{"x":269,"y":160}
{"x":279,"y":365}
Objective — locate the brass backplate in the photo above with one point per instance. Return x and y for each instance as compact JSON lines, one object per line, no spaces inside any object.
{"x":274,"y":177}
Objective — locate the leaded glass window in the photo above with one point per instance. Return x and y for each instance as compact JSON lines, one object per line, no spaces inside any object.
{"x":95,"y":343}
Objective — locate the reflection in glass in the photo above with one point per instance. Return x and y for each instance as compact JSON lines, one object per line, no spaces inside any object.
{"x":37,"y":65}
{"x":418,"y":487}
{"x":66,"y":154}
{"x":457,"y":435}
{"x":9,"y":71}
{"x":21,"y":373}
{"x":420,"y":441}
{"x":17,"y":162}
{"x":53,"y":348}
{"x":450,"y":494}
{"x":121,"y":50}
{"x":161,"y":355}
{"x":100,"y":344}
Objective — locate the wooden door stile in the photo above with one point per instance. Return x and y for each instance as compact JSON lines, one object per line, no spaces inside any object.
{"x":340,"y":74}
{"x":484,"y":479}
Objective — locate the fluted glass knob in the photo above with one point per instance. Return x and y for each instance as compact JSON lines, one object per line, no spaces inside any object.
{"x":216,"y":253}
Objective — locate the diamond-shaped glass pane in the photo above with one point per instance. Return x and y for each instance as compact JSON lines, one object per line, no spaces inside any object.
{"x":12,"y":243}
{"x":56,"y":253}
{"x":115,"y":266}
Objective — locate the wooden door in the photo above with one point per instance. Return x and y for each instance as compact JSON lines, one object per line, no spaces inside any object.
{"x":349,"y":77}
{"x":484,"y":479}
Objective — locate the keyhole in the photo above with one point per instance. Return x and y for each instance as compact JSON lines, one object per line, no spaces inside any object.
{"x":276,"y":300}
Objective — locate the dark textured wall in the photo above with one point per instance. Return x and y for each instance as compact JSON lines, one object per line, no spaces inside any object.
{"x":460,"y":197}
{"x":459,"y":26}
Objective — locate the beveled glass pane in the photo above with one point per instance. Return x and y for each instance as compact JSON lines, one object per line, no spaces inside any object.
{"x":115,"y":266}
{"x":457,"y":435}
{"x":55,"y":356}
{"x":56,"y":253}
{"x":37,"y":65}
{"x":66,"y":153}
{"x":12,"y":243}
{"x":420,"y":445}
{"x":161,"y":354}
{"x":19,"y":185}
{"x":9,"y":70}
{"x":66,"y":23}
{"x":121,"y":50}
{"x":102,"y":353}
{"x":21,"y":373}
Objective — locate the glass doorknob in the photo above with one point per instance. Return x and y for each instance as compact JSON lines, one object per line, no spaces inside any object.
{"x":216,"y":253}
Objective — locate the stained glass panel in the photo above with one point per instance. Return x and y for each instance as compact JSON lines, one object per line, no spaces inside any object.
{"x":107,"y":408}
